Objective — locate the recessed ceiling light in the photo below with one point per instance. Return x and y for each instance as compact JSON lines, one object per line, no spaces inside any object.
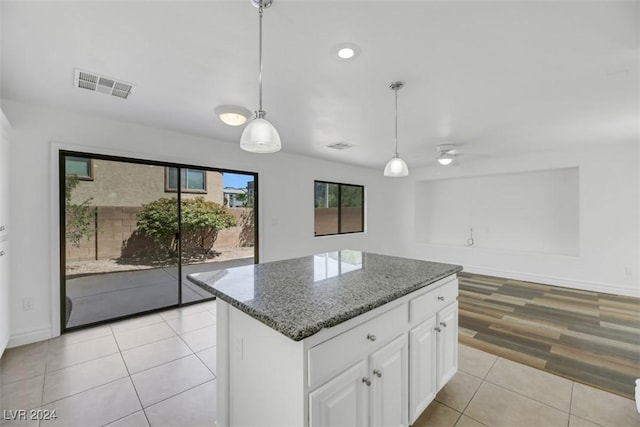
{"x":347,"y":50}
{"x":233,"y":115}
{"x":346,"y":53}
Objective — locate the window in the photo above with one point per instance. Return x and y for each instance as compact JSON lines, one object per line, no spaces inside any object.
{"x":78,"y":166}
{"x":191,"y":180}
{"x":339,"y":208}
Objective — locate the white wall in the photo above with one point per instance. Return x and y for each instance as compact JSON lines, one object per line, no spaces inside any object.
{"x":608,"y":256}
{"x":286,"y":198}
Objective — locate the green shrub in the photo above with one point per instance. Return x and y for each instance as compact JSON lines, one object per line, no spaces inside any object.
{"x":201,"y":222}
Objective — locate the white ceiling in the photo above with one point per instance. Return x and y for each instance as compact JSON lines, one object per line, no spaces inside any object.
{"x":497,"y":78}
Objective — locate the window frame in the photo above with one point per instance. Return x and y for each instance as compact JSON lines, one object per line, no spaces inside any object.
{"x":169,"y":189}
{"x":89,"y":168}
{"x":340,"y":185}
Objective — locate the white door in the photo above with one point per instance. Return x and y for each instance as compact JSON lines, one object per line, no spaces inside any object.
{"x":422,"y":343}
{"x":447,"y":343}
{"x":388,"y":369}
{"x":342,"y":402}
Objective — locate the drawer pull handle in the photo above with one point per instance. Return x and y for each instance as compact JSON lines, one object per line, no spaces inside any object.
{"x":377,"y":373}
{"x":371,"y":337}
{"x":367,"y":381}
{"x":1,"y":253}
{"x":437,"y":329}
{"x":440,"y":298}
{"x":443,"y":324}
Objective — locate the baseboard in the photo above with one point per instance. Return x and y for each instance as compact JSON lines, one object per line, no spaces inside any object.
{"x":28,"y":336}
{"x":555,"y":281}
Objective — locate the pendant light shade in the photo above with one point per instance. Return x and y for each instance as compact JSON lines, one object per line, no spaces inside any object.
{"x":396,"y":167}
{"x":260,"y":136}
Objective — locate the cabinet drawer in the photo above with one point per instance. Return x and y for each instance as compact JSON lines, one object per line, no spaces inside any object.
{"x":427,"y":304}
{"x":336,"y":354}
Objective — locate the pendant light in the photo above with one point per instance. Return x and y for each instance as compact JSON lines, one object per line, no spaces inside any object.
{"x":396,"y":167}
{"x":260,"y":136}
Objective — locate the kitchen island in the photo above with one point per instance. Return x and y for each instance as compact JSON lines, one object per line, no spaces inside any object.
{"x":340,"y":338}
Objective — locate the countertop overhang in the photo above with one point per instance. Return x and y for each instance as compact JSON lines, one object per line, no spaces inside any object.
{"x":299,"y":297}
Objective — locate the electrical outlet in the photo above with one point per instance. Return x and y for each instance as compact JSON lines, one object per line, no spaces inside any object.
{"x":627,"y":271}
{"x":27,"y":304}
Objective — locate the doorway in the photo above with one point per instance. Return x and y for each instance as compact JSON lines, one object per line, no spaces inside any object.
{"x":131,"y":231}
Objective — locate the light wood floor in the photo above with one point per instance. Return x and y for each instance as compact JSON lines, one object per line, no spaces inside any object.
{"x":589,"y":337}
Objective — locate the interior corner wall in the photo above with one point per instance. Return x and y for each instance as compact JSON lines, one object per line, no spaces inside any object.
{"x":286,"y":197}
{"x":608,"y":255}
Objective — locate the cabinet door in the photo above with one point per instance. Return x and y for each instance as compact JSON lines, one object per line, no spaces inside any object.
{"x":422,"y":359}
{"x":447,"y":343}
{"x":4,"y":178}
{"x":342,"y":402}
{"x":389,"y":389}
{"x":4,"y":295}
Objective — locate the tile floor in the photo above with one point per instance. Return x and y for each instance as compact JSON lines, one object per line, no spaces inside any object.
{"x":159,"y":370}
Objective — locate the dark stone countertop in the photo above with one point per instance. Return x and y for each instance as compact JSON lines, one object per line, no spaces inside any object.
{"x":298,"y":297}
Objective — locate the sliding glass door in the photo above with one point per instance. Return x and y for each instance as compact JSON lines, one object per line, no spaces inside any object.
{"x":230,"y":207}
{"x":131,"y":231}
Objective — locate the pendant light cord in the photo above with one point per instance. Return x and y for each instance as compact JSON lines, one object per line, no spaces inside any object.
{"x":260,"y":112}
{"x":396,"y":91}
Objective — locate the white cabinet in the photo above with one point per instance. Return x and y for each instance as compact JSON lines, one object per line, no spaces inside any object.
{"x":335,"y":355}
{"x":447,"y":333}
{"x":433,"y":357}
{"x":422,"y":340}
{"x":381,"y":368}
{"x":389,"y":384}
{"x":406,"y":373}
{"x":343,"y":401}
{"x":4,"y":267}
{"x":374,"y":392}
{"x":4,"y":178}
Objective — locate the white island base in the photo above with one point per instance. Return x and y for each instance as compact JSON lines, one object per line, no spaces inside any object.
{"x":381,"y":368}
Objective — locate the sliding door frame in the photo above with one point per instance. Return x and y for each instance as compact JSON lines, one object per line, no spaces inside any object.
{"x":63,"y":153}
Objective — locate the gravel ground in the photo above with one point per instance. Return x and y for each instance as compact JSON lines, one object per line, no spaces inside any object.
{"x":112,"y":265}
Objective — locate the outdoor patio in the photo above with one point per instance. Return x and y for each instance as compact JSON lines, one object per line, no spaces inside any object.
{"x":103,"y":296}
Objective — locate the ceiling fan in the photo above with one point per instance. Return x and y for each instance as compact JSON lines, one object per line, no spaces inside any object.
{"x":446,"y":153}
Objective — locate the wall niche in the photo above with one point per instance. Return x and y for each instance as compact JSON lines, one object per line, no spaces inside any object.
{"x":529,"y":211}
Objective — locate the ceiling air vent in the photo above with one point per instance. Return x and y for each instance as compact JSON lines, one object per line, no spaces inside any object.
{"x":107,"y":85}
{"x":340,"y":146}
